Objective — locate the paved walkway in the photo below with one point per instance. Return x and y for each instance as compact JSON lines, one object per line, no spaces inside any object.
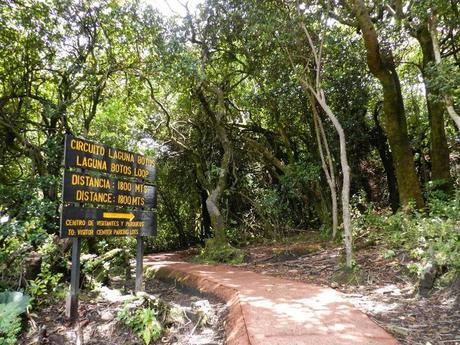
{"x":265,"y":310}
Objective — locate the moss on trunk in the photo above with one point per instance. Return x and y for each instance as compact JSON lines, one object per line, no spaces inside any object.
{"x":382,"y":66}
{"x":440,"y":167}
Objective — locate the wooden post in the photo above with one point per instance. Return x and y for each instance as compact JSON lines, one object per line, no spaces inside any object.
{"x":72,"y":298}
{"x":139,"y":263}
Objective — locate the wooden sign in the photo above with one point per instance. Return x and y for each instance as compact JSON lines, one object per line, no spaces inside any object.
{"x":85,"y":188}
{"x":88,"y":155}
{"x":89,"y":222}
{"x":128,"y":193}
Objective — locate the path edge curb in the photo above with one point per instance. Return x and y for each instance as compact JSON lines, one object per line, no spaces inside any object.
{"x":235,"y":328}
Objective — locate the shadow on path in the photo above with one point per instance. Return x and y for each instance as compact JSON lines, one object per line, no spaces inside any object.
{"x":266,"y":310}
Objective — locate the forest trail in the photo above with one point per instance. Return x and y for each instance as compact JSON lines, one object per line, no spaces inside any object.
{"x":269,"y":310}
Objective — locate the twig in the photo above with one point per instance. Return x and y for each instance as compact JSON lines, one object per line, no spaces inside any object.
{"x":194,"y":328}
{"x":41,"y":334}
{"x":263,"y":260}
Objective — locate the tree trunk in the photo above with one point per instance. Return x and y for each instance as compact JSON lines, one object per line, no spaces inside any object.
{"x":440,"y":168}
{"x":206,"y":219}
{"x":347,"y":231}
{"x":380,"y":142}
{"x":212,"y":202}
{"x":268,"y":155}
{"x":322,"y":205}
{"x":382,"y":66}
{"x":449,"y":103}
{"x":328,"y":168}
{"x":318,"y":93}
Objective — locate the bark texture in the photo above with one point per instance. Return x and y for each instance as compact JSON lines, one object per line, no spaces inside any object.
{"x":380,"y":142}
{"x":347,"y":231}
{"x":317,"y":93}
{"x":212,"y":202}
{"x":440,"y":167}
{"x":326,"y":163}
{"x":382,"y":66}
{"x":448,"y":101}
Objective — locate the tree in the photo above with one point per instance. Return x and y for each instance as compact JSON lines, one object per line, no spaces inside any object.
{"x":440,"y":169}
{"x":447,"y":98}
{"x":382,"y":65}
{"x":62,"y":58}
{"x":440,"y":166}
{"x":313,"y":86}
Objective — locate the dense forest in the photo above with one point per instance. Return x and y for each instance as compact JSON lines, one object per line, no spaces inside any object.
{"x":268,"y":121}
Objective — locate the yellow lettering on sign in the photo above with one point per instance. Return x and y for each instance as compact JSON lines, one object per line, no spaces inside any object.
{"x":120,"y":168}
{"x":90,"y":181}
{"x":121,"y":155}
{"x":94,"y":163}
{"x":124,"y":185}
{"x":90,"y":196}
{"x":145,"y":161}
{"x":141,"y":172}
{"x":121,"y":232}
{"x":108,"y":223}
{"x":134,"y":224}
{"x":139,"y":188}
{"x":130,"y":200}
{"x":83,"y":146}
{"x":75,"y":222}
{"x":104,"y":232}
{"x":85,"y":232}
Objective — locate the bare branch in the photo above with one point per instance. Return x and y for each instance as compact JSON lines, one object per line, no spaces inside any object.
{"x":157,"y":102}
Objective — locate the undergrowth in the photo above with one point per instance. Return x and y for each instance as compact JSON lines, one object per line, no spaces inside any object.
{"x":12,"y":305}
{"x":431,"y":235}
{"x":214,"y":252}
{"x":143,"y":318}
{"x":349,"y":275}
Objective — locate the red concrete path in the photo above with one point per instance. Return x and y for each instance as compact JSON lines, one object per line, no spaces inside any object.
{"x":266,"y":310}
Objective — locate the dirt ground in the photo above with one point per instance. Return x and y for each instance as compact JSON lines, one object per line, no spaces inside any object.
{"x":387,"y":292}
{"x":98,"y":323}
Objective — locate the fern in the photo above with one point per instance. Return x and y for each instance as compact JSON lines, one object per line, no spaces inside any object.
{"x":12,"y":304}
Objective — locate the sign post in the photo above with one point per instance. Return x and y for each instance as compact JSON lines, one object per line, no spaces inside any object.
{"x":139,"y":263}
{"x":72,"y":298}
{"x":122,"y":200}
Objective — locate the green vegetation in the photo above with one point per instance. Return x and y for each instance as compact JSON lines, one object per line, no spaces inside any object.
{"x":349,"y":276}
{"x":217,"y":253}
{"x":100,"y":269}
{"x":12,"y":305}
{"x":143,"y":319}
{"x":429,"y":236}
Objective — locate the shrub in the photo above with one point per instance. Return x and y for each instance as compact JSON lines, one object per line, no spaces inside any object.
{"x":17,"y":240}
{"x":428,"y":236}
{"x":143,"y":320}
{"x":220,"y":253}
{"x":48,"y":282}
{"x":12,"y":305}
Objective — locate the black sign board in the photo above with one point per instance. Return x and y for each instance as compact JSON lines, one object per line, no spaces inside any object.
{"x":132,"y":192}
{"x":85,"y":188}
{"x":88,"y":155}
{"x":89,"y":222}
